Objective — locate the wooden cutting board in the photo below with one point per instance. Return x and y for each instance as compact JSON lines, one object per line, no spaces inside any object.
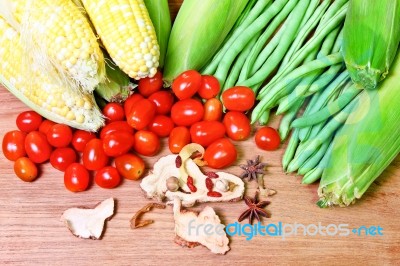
{"x":31,"y":233}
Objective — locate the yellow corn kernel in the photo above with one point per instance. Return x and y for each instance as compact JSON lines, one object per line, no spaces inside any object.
{"x":57,"y":31}
{"x":53,"y":100}
{"x":127,"y":32}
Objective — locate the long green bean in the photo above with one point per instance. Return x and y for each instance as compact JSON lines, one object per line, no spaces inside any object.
{"x":303,"y":133}
{"x":329,"y":110}
{"x":291,"y":26}
{"x":237,"y":66}
{"x":284,"y":126}
{"x":316,"y":173}
{"x":261,"y":42}
{"x":313,"y":161}
{"x":265,"y":117}
{"x":299,"y":56}
{"x":253,"y":14}
{"x":290,"y":149}
{"x":305,"y":31}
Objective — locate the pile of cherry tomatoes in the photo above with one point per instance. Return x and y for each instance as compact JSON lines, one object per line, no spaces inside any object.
{"x":190,"y":112}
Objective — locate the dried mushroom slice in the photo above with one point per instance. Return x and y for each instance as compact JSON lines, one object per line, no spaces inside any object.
{"x":228,"y":186}
{"x":204,"y":228}
{"x":88,"y":223}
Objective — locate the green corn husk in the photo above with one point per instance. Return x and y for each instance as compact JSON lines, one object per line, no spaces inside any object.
{"x":161,"y":18}
{"x":366,"y":145}
{"x":371,"y":38}
{"x":198,"y":31}
{"x":116,"y":87}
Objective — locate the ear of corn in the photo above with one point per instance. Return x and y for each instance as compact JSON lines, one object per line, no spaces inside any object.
{"x":126,"y":31}
{"x":371,"y":38}
{"x":366,"y":145}
{"x":194,"y":39}
{"x":39,"y":91}
{"x":161,"y":18}
{"x":60,"y":40}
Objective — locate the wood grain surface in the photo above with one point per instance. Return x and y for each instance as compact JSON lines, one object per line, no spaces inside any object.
{"x":31,"y":232}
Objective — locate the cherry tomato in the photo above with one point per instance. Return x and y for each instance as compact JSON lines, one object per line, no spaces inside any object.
{"x":14,"y":145}
{"x":59,"y":135}
{"x":186,"y":84}
{"x":161,"y":125}
{"x":178,"y":138}
{"x":25,"y":169}
{"x":148,"y":86}
{"x":238,"y":98}
{"x":116,"y":126}
{"x":213,"y":110}
{"x":187,"y":112}
{"x":221,"y":153}
{"x":130,"y":102}
{"x":107,"y":177}
{"x":141,"y":114}
{"x":163,"y":101}
{"x":209,"y":87}
{"x":46,"y":125}
{"x":113,"y":112}
{"x":61,"y":158}
{"x":206,"y":132}
{"x":93,"y":156}
{"x":267,"y":138}
{"x":28,"y":121}
{"x":37,"y":147}
{"x":76,"y":178}
{"x":146,"y":143}
{"x":130,"y":166}
{"x":81,"y":137}
{"x":117,"y":143}
{"x":237,"y":125}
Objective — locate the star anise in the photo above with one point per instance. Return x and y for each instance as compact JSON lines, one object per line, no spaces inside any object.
{"x":255,"y":209}
{"x":253,"y":168}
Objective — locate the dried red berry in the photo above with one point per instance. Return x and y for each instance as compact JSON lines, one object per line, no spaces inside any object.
{"x":209,"y":184}
{"x":178,"y":161}
{"x":212,"y":175}
{"x":214,"y":194}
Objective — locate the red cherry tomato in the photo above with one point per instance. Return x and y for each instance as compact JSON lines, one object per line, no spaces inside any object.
{"x":81,"y":137}
{"x":130,"y":166}
{"x":238,"y":98}
{"x":117,"y":143}
{"x":28,"y":121}
{"x":206,"y":132}
{"x":221,"y":153}
{"x":187,"y":112}
{"x":213,"y":110}
{"x":146,"y":143}
{"x":59,"y":135}
{"x":76,"y":178}
{"x":130,"y":102}
{"x":237,"y":125}
{"x":14,"y":145}
{"x":267,"y":138}
{"x":45,"y":126}
{"x":25,"y":169}
{"x":107,"y":177}
{"x":163,"y":101}
{"x":178,"y":138}
{"x":148,"y":86}
{"x":141,"y":114}
{"x":61,"y":158}
{"x":93,"y":156}
{"x":37,"y":147}
{"x":209,"y":87}
{"x":116,"y":126}
{"x":161,"y":125}
{"x":186,"y":84}
{"x":113,"y":112}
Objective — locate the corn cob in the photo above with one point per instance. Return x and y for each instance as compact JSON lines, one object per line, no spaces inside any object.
{"x":39,"y":91}
{"x":127,"y":33}
{"x":371,"y":38}
{"x":191,"y":47}
{"x":61,"y":40}
{"x":366,"y":145}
